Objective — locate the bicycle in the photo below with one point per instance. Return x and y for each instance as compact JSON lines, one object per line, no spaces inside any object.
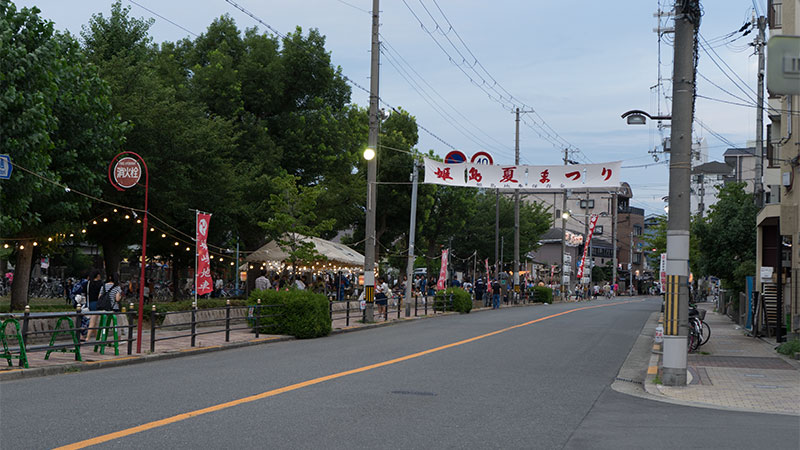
{"x":699,"y":330}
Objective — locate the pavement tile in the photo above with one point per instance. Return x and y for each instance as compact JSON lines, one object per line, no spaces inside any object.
{"x":739,"y":372}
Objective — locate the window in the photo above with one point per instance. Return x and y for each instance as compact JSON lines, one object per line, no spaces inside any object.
{"x":598,"y":229}
{"x":637,"y":230}
{"x":774,"y":12}
{"x":637,"y":258}
{"x":584,"y":202}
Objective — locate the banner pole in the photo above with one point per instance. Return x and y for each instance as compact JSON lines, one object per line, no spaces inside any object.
{"x":196,"y":253}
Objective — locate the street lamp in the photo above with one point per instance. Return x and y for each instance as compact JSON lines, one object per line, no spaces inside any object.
{"x":639,"y":117}
{"x":369,"y":154}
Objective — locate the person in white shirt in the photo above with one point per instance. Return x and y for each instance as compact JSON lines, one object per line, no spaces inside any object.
{"x":262,"y":282}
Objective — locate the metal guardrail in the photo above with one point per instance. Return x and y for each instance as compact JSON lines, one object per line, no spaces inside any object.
{"x":108,"y":331}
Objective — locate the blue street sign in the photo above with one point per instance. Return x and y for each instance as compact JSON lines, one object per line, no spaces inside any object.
{"x":5,"y":167}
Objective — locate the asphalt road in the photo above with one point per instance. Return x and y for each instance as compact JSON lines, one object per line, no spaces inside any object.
{"x":545,"y":384}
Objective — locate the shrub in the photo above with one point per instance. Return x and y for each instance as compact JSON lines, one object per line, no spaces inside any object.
{"x":542,"y":294}
{"x":461,"y":300}
{"x":789,"y":348}
{"x":302,"y":314}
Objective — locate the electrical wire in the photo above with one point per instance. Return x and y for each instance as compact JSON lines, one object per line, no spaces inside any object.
{"x":162,"y":17}
{"x":344,"y":77}
{"x":491,"y":87}
{"x":502,"y":147}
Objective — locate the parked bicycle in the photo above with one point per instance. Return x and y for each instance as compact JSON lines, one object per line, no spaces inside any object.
{"x":699,"y":330}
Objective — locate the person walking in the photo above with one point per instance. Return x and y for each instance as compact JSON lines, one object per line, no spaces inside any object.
{"x":496,"y":288}
{"x":381,"y":299}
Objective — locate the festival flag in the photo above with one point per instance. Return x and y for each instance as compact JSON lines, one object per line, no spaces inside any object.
{"x":443,"y":272}
{"x":488,"y":278}
{"x":592,"y":223}
{"x":203,"y":282}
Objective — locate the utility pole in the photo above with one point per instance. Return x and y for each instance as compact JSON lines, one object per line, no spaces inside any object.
{"x":587,"y":259}
{"x":372,"y":169}
{"x":412,"y":229}
{"x":516,"y":211}
{"x":502,"y":244}
{"x":516,"y":214}
{"x":676,"y":310}
{"x":496,"y":235}
{"x":565,"y":277}
{"x":614,"y":207}
{"x":758,"y":186}
{"x":701,"y":205}
{"x":630,"y":266}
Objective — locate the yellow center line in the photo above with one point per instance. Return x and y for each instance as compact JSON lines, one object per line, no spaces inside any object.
{"x":293,"y":387}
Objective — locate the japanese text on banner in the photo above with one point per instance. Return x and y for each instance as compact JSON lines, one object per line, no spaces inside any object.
{"x":203,"y":282}
{"x":443,"y":272}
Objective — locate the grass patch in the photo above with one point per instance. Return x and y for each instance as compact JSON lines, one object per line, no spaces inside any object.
{"x":657,"y":379}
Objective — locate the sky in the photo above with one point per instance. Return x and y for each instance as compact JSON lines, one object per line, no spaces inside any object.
{"x":458,"y":66}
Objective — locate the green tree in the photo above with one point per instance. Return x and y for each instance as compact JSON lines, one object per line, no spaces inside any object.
{"x":294,"y":218}
{"x":188,"y":150}
{"x":727,"y":237}
{"x":55,"y":121}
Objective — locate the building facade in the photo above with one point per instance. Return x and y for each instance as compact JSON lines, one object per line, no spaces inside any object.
{"x":778,"y":225}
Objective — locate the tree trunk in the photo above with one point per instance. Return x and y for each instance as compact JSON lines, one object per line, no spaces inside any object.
{"x":112,"y":255}
{"x":22,"y":277}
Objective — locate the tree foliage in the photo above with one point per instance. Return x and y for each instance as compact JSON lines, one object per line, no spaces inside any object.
{"x":57,"y":124}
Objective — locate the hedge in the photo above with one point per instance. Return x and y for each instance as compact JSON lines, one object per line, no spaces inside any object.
{"x":542,"y":294}
{"x":302,"y":314}
{"x":461,"y":300}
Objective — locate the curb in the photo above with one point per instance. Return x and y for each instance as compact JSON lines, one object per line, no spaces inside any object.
{"x":80,"y":366}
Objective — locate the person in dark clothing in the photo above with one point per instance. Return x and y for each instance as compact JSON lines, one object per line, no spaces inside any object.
{"x":496,"y":291}
{"x":93,"y":291}
{"x":480,"y":289}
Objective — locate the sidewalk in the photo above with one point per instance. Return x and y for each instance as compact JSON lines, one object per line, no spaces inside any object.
{"x":174,"y":346}
{"x":733,"y":371}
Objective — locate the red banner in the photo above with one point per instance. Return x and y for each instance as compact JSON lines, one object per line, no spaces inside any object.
{"x":592,"y":223}
{"x":443,"y":272}
{"x":203,"y":282}
{"x":488,"y":278}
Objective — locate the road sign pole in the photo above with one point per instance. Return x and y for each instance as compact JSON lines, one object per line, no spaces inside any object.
{"x":143,"y":262}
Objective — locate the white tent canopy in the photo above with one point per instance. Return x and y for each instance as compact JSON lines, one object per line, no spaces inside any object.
{"x":334,"y":252}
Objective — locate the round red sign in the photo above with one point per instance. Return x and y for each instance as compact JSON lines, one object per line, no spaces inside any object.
{"x":127,"y":172}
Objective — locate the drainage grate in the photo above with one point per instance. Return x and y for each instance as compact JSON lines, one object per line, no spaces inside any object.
{"x":425,"y":394}
{"x":766,"y":386}
{"x":628,"y":380}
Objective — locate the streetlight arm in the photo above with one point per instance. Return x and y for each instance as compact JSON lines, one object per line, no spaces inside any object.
{"x":639,"y":111}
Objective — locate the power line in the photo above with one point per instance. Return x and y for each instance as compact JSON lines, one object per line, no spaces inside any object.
{"x":162,"y":17}
{"x":354,"y":6}
{"x":392,"y":48}
{"x":485,"y":82}
{"x":396,"y":60}
{"x":346,"y":78}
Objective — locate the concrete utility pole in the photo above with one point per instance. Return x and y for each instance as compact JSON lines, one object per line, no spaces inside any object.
{"x":496,"y":234}
{"x":676,"y":310}
{"x":630,"y":267}
{"x":516,"y":214}
{"x":564,"y":274}
{"x":412,"y":229}
{"x":701,"y":205}
{"x":372,"y":169}
{"x":614,"y":207}
{"x":758,"y":187}
{"x":587,"y":258}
